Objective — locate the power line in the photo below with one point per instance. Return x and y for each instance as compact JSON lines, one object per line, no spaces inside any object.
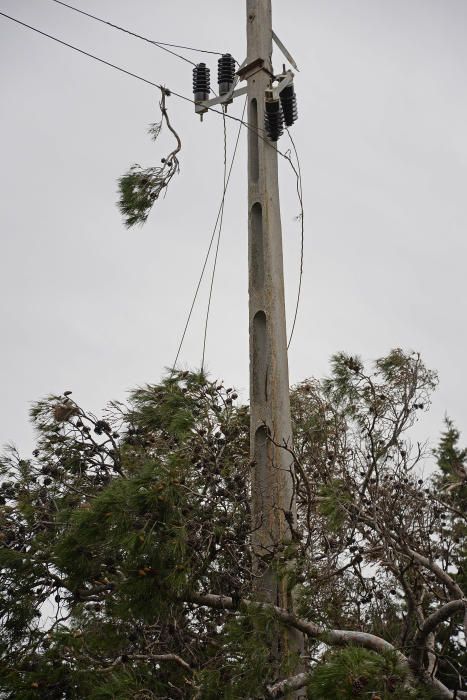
{"x":206,"y":258}
{"x":217,"y":247}
{"x":85,"y":53}
{"x":160,"y":44}
{"x":302,"y":232}
{"x":191,"y":101}
{"x":151,"y":41}
{"x":133,"y":75}
{"x":256,"y":130}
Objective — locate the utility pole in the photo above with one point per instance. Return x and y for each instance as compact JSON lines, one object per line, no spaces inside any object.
{"x":272,"y":466}
{"x":273,"y":502}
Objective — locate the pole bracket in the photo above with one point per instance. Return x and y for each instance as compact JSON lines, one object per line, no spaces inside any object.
{"x":205,"y":105}
{"x":283,"y":79}
{"x":284,"y":50}
{"x":247,"y":69}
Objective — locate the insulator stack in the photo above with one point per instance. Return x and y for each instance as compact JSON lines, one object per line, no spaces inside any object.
{"x":225,"y":73}
{"x":201,"y":82}
{"x":289,"y":104}
{"x":274,"y":119}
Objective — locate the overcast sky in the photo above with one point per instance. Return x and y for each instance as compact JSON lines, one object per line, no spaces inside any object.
{"x":89,"y":306}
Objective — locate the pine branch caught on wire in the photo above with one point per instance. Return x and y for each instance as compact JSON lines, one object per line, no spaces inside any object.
{"x":259,"y":131}
{"x":139,"y":181}
{"x":141,"y":187}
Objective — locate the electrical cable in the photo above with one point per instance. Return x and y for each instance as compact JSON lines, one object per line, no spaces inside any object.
{"x":161,"y":44}
{"x":217,"y":247}
{"x":256,"y":130}
{"x":191,"y":101}
{"x":135,"y":75}
{"x":302,"y":232}
{"x":210,"y":242}
{"x":85,"y":53}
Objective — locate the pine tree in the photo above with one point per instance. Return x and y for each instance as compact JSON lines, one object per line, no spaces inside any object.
{"x":126,"y":559}
{"x":451,"y":484}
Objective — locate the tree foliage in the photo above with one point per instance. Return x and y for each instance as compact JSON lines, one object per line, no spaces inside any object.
{"x":140,"y":188}
{"x":126,"y":556}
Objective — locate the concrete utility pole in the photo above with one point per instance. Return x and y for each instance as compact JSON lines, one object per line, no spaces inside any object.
{"x":273,"y":503}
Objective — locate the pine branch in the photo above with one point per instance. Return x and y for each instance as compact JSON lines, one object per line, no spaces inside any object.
{"x":331,"y":637}
{"x":141,"y":187}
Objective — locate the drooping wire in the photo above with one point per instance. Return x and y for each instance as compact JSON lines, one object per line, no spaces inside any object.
{"x":298,"y":172}
{"x":211,"y":241}
{"x":160,"y":44}
{"x":219,"y":233}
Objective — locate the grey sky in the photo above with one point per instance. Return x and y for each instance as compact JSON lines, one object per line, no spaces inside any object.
{"x":89,"y":306}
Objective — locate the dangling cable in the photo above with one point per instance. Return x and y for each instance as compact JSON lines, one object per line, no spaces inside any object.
{"x":298,"y":174}
{"x":217,"y":246}
{"x":195,"y":296}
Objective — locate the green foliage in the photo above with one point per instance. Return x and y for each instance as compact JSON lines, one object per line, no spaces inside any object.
{"x":451,"y":459}
{"x":139,"y":189}
{"x":358,"y":673}
{"x":115,"y":521}
{"x":135,"y":528}
{"x":167,"y":409}
{"x":109,"y":523}
{"x":334,"y":501}
{"x":451,"y":486}
{"x":398,"y":379}
{"x":249,"y":665}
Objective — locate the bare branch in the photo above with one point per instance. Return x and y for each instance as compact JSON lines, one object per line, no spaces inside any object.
{"x":331,"y":637}
{"x":429,"y":626}
{"x":278,"y":690}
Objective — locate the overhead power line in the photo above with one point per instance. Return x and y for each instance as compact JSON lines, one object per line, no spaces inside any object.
{"x":127,"y":72}
{"x":85,"y":53}
{"x":222,"y":113}
{"x":257,"y":130}
{"x":160,"y":44}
